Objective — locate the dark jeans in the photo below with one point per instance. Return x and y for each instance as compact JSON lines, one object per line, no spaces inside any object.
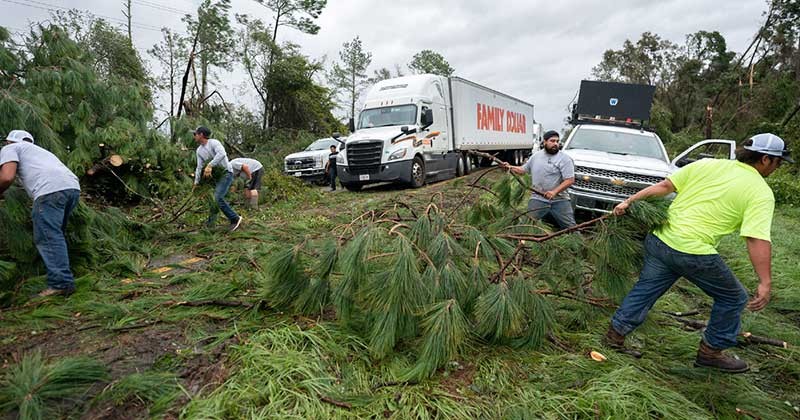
{"x":559,"y":210}
{"x":662,"y":267}
{"x":50,"y":215}
{"x":219,"y":203}
{"x":332,"y":171}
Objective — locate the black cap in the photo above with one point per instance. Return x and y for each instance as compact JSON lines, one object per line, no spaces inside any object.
{"x":203,"y":130}
{"x":551,"y":133}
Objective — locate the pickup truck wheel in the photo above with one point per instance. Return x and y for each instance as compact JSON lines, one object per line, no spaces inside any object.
{"x":353,"y":187}
{"x":460,"y":167}
{"x":417,"y":173}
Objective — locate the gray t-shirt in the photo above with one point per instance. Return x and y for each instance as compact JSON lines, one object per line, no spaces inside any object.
{"x":549,"y":171}
{"x":39,"y":171}
{"x":237,"y":163}
{"x":212,"y":152}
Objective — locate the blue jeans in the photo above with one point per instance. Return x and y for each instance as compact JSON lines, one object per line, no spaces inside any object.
{"x":220,"y":191}
{"x":50,"y":215}
{"x":662,"y":267}
{"x":560,"y":210}
{"x":332,"y":172}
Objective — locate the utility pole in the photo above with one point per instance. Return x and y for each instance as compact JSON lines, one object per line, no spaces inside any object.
{"x":127,"y":13}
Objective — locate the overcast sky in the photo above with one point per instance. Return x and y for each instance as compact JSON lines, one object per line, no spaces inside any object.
{"x":535,"y":50}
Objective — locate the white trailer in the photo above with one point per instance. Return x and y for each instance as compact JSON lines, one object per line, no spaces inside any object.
{"x":419,"y":128}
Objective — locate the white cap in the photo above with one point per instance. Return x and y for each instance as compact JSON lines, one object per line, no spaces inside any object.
{"x":17,"y":136}
{"x":769,"y":144}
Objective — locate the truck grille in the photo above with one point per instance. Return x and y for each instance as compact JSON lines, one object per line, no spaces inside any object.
{"x":364,"y":157}
{"x":300,"y":163}
{"x":647,"y":179}
{"x":593,"y":186}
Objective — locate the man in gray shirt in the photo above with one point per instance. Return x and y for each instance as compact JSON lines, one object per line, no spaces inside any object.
{"x":552,"y":172}
{"x":251,"y":170}
{"x":211,"y":153}
{"x":55,"y":192}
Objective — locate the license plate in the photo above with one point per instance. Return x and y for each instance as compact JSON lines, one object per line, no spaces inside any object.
{"x":364,"y":177}
{"x":298,"y":174}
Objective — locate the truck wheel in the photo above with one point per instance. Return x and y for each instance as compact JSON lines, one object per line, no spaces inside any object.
{"x":353,"y":187}
{"x":467,"y":163}
{"x":417,"y":172}
{"x":460,"y":167}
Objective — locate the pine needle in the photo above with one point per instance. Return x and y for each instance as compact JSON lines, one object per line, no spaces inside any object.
{"x":497,"y":315}
{"x":285,"y":279}
{"x":31,"y":386}
{"x":445,"y":332}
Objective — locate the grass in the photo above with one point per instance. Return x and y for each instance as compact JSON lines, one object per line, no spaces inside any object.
{"x":235,"y":362}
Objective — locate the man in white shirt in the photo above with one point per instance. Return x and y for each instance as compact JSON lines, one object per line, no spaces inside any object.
{"x":211,"y":153}
{"x":251,"y":170}
{"x":55,"y":192}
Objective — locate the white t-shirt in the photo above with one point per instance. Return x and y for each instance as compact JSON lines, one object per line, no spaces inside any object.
{"x":39,"y":171}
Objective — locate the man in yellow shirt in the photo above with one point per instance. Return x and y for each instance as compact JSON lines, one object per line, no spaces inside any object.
{"x":714,"y":198}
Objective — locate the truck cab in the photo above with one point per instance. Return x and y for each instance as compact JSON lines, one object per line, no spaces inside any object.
{"x":402,"y":134}
{"x":615,"y":154}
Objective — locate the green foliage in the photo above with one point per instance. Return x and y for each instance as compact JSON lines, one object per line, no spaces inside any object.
{"x":284,"y":278}
{"x":349,"y":75}
{"x":498,"y":315}
{"x":31,"y":386}
{"x":430,"y":62}
{"x":785,"y":187}
{"x":445,"y":333}
{"x":158,"y":389}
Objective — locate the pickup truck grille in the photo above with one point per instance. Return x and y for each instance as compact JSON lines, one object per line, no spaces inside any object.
{"x":300,"y":163}
{"x":593,"y":186}
{"x":647,"y":179}
{"x":364,"y":155}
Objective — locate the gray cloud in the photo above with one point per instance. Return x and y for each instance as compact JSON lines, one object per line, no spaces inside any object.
{"x":535,"y":50}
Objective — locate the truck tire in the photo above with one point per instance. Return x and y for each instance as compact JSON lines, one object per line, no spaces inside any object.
{"x":460,"y":168}
{"x":353,"y":187}
{"x":467,"y":163}
{"x":417,"y":172}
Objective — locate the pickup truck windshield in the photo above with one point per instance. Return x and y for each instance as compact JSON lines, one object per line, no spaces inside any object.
{"x":617,"y":143}
{"x":322,"y":144}
{"x":388,"y":116}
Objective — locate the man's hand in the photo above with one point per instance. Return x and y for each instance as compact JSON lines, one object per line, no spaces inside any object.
{"x":505,"y":165}
{"x":207,"y":172}
{"x":620,"y":209}
{"x":761,"y":299}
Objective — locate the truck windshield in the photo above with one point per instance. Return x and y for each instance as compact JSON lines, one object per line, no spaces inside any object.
{"x":617,"y":143}
{"x":322,"y":144}
{"x":388,"y":116}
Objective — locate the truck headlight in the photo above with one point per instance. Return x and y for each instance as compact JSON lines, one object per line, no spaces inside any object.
{"x":340,"y":158}
{"x":398,"y":154}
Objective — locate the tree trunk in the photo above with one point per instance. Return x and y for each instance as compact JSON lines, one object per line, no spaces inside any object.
{"x":188,"y":68}
{"x":127,"y":14}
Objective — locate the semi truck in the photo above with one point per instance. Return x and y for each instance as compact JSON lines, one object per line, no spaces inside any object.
{"x":418,"y":129}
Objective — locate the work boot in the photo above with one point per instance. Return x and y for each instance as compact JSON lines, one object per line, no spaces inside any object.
{"x":616,"y":341}
{"x":708,"y":356}
{"x":56,"y":292}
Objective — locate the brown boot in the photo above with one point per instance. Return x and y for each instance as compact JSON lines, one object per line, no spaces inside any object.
{"x":616,"y":341}
{"x":708,"y":356}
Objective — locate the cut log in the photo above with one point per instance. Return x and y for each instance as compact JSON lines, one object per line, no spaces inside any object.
{"x":114,"y":160}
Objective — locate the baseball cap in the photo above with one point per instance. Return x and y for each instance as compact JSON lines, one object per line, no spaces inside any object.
{"x":769,"y":144}
{"x":17,"y":136}
{"x":203,"y":130}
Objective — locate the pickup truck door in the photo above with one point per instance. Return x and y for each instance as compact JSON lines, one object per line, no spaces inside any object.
{"x":713,"y":149}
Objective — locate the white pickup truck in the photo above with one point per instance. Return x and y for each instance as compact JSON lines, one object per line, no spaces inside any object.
{"x":614,"y":155}
{"x":309,"y":164}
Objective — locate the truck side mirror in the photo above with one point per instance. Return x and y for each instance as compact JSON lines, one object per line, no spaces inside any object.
{"x":427,"y":118}
{"x":404,"y":129}
{"x":336,"y":135}
{"x":352,"y":125}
